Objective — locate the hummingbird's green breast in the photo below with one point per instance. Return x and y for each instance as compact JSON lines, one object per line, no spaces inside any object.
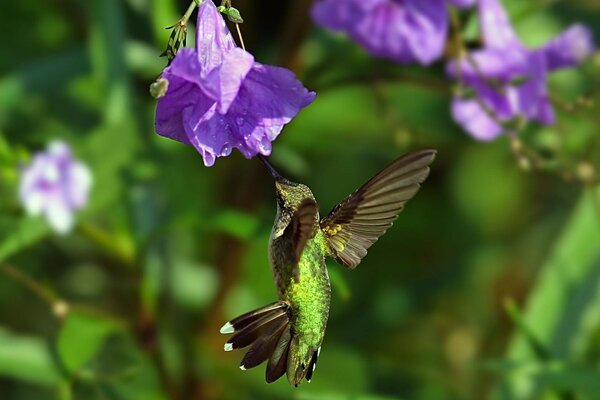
{"x":311,"y":295}
{"x":308,"y":296}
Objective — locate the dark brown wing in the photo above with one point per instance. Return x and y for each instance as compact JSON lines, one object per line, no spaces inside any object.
{"x":301,"y":229}
{"x":358,"y":221}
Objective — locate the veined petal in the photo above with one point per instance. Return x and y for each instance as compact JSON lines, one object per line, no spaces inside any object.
{"x":271,"y":95}
{"x":213,"y":38}
{"x":211,"y":134}
{"x":183,"y":92}
{"x":223,"y":83}
{"x":569,"y":48}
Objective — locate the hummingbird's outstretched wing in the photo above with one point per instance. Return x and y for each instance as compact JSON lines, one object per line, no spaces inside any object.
{"x":358,"y":221}
{"x":302,"y":227}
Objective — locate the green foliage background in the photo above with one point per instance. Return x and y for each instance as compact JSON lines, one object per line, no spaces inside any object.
{"x":488,"y":286}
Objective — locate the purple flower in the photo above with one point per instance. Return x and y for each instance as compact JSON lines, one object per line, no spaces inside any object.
{"x":508,"y":78}
{"x":405,"y":31}
{"x":55,"y":185}
{"x":219,"y":98}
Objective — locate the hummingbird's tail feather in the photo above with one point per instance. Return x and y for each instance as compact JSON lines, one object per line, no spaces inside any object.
{"x":267,"y":330}
{"x":241,"y":322}
{"x":278,"y":361}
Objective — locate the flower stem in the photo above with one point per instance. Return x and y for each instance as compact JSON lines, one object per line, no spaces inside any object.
{"x":195,"y":3}
{"x":35,"y":287}
{"x":239,"y":32}
{"x":106,"y":242}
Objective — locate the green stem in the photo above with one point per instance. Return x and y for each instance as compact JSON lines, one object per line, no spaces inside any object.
{"x":35,"y":287}
{"x":106,"y":242}
{"x":190,"y":10}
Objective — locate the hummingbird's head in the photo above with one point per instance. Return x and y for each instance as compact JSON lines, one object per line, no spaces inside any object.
{"x":289,"y":194}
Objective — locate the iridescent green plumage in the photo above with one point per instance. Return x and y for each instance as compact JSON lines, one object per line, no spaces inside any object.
{"x":289,"y":333}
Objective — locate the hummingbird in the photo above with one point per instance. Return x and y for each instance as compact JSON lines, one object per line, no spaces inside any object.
{"x":288,"y":333}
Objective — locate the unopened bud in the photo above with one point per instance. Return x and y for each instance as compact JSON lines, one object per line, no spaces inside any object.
{"x":159,"y":88}
{"x":233,"y":14}
{"x":60,"y":309}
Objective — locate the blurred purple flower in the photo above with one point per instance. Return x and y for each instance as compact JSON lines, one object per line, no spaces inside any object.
{"x":509,"y":78}
{"x":55,"y":185}
{"x":405,"y":31}
{"x":219,"y":98}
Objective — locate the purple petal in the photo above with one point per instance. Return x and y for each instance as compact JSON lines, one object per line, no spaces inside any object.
{"x":223,"y":83}
{"x":428,"y":22}
{"x":495,"y":25}
{"x":78,"y":185}
{"x":272,"y":95}
{"x":341,"y":15}
{"x":469,"y":114}
{"x":492,"y":63}
{"x":209,"y":132}
{"x":213,"y":38}
{"x":570,"y":48}
{"x":462,"y":3}
{"x":404,"y":31}
{"x":55,"y":185}
{"x":183,"y":92}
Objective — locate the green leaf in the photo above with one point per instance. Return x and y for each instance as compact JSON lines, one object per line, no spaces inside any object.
{"x":28,"y":359}
{"x":569,"y":286}
{"x":81,"y":337}
{"x":23,"y":233}
{"x":235,"y":223}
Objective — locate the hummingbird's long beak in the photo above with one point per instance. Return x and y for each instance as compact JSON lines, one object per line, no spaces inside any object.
{"x":270,"y":168}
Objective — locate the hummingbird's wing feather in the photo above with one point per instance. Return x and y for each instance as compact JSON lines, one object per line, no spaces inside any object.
{"x":302,"y":228}
{"x":358,"y":221}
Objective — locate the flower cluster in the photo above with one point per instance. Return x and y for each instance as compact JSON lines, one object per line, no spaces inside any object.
{"x":506,"y":79}
{"x":55,"y":185}
{"x":405,"y":31}
{"x":220,"y":98}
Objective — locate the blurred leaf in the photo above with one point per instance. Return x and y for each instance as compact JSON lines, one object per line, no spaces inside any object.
{"x":339,"y":283}
{"x":235,"y":223}
{"x":20,"y":234}
{"x":188,"y":278}
{"x":80,"y":338}
{"x":569,"y":286}
{"x":28,"y":359}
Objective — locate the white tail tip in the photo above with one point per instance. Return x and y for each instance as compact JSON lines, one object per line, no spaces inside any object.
{"x":228,"y":347}
{"x":227,"y":329}
{"x":242,"y":368}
